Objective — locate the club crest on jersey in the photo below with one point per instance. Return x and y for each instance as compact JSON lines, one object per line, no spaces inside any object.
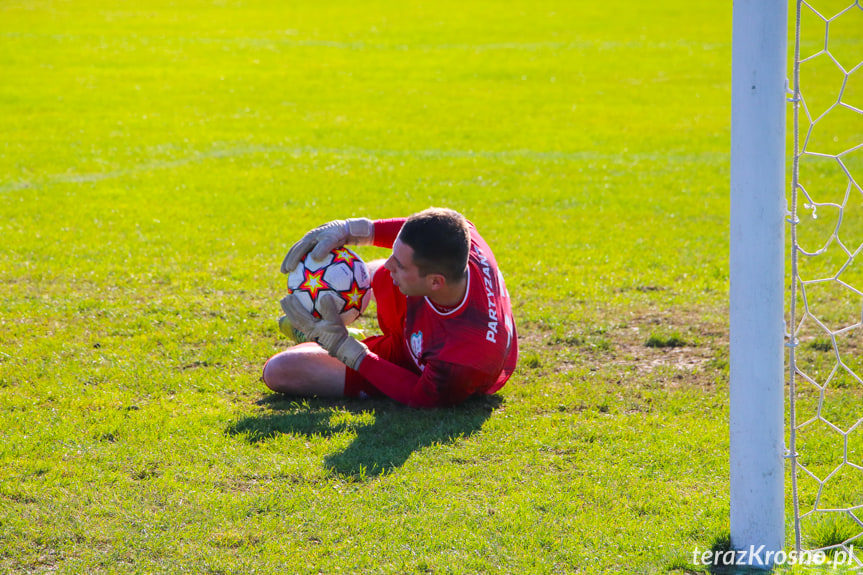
{"x":417,"y":344}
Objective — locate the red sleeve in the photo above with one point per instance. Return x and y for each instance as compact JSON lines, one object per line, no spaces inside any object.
{"x":441,"y":383}
{"x":386,"y":231}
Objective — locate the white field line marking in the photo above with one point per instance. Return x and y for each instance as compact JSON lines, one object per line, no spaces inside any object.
{"x":354,"y":153}
{"x":287,"y":40}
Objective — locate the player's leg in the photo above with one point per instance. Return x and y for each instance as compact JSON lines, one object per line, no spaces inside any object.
{"x":305,"y":370}
{"x":308,"y":370}
{"x":373,"y":266}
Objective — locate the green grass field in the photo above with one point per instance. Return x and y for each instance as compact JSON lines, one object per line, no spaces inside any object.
{"x":157,"y":160}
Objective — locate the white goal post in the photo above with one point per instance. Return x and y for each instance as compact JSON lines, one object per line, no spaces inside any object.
{"x":757,"y":275}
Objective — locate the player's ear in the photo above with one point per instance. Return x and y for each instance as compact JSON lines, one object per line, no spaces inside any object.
{"x":436,"y":281}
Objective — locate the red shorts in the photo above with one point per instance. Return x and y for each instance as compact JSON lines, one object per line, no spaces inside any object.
{"x":391,"y":304}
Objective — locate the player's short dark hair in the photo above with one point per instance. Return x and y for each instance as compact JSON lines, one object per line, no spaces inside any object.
{"x":440,"y":239}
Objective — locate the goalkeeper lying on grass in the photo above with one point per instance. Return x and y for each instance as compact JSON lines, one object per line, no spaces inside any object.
{"x":448,"y":331}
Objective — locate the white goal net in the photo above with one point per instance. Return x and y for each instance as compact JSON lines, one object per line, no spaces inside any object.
{"x":825,"y":315}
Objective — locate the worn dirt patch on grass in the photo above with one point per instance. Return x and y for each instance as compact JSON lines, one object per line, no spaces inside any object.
{"x":691,"y":342}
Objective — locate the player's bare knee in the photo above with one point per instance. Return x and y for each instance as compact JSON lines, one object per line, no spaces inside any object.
{"x":285,"y":372}
{"x":373,"y":267}
{"x":268,"y":373}
{"x":277,"y":373}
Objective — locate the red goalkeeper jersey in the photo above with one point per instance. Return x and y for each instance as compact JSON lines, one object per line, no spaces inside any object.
{"x":453,"y":353}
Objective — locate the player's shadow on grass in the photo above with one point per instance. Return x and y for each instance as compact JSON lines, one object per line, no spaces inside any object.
{"x":386,"y":433}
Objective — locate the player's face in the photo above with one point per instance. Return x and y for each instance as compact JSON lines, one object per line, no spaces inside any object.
{"x":403,"y":271}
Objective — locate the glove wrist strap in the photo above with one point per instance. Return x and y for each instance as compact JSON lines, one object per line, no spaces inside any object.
{"x":351,"y":352}
{"x":361,"y":231}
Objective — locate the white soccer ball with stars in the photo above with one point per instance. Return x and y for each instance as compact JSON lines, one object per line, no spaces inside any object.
{"x":341,"y":273}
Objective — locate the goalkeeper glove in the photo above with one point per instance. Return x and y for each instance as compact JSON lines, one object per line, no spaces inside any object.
{"x":329,"y":332}
{"x":335,"y":234}
{"x":293,"y":333}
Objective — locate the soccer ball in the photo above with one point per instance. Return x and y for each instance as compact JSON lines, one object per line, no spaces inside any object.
{"x":341,"y":273}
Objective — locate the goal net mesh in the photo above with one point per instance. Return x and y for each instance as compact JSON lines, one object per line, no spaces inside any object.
{"x":825,"y":315}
